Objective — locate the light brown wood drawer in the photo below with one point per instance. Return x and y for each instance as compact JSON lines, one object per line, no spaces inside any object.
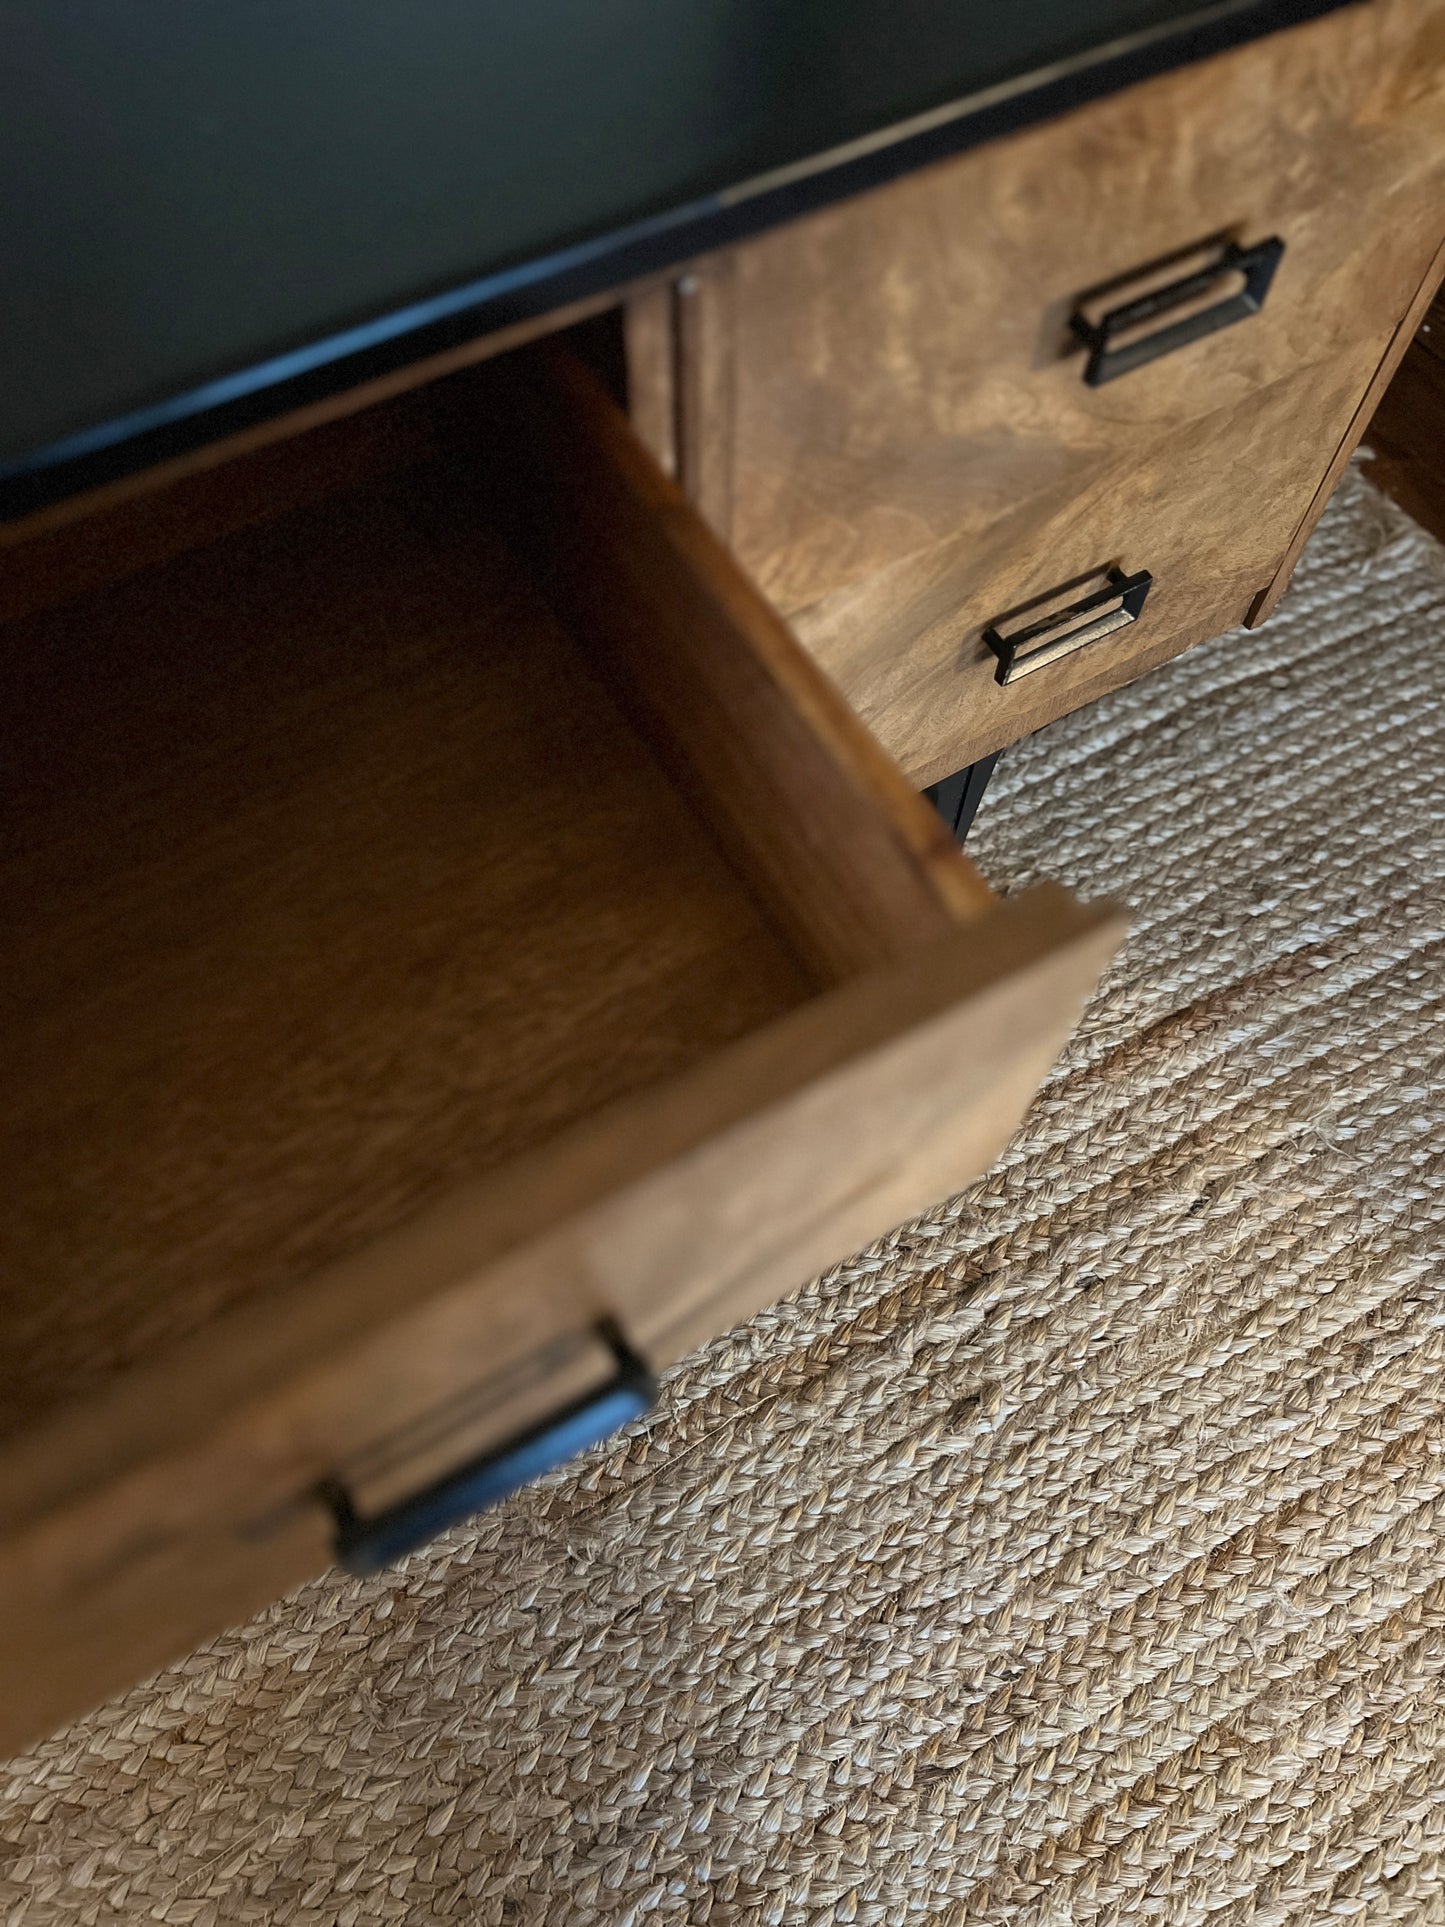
{"x":896,"y":377}
{"x":409,"y":972}
{"x":1206,"y":515}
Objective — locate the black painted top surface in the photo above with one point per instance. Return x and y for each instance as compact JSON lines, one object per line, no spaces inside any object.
{"x":211,"y":209}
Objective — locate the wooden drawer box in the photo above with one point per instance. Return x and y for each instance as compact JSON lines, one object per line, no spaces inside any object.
{"x":412,"y":980}
{"x":884,"y":408}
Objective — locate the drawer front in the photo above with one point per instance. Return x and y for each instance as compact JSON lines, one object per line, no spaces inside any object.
{"x":900,"y":372}
{"x":1206,"y":514}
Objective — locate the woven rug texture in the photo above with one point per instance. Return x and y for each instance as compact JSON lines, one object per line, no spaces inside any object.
{"x":1074,"y":1556}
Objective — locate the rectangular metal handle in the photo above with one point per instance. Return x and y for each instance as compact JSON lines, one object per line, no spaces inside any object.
{"x":1113,"y":339}
{"x":1023,"y":650}
{"x":365,"y":1545}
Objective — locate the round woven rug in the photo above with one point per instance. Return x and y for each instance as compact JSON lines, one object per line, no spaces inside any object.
{"x":1074,"y":1556}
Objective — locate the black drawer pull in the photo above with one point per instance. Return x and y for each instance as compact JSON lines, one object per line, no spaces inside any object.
{"x":366,"y":1545}
{"x":1021,"y":651}
{"x":1115,"y":347}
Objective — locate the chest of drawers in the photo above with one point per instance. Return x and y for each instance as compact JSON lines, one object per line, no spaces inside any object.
{"x":463,"y":947}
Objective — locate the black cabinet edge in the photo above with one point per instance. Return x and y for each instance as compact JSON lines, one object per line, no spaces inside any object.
{"x":430,"y":325}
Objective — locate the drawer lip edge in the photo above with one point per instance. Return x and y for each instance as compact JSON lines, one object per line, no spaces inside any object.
{"x":167,"y":1548}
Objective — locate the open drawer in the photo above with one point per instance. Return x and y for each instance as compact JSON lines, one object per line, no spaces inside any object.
{"x":429,"y":997}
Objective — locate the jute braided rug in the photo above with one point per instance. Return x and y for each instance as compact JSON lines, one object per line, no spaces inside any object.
{"x":1075,"y":1556}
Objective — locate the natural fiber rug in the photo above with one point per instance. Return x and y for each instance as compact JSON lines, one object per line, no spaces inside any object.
{"x":1075,"y":1556}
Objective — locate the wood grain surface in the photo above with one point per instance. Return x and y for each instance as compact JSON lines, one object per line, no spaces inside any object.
{"x":184,"y":1495}
{"x":853,"y":865}
{"x":650,"y":352}
{"x":895,"y":376}
{"x":1208,"y":512}
{"x":1356,"y":428}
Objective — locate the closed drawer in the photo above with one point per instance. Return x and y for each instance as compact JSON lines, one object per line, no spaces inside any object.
{"x":426,"y":998}
{"x":1205,"y":514}
{"x":898,"y":375}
